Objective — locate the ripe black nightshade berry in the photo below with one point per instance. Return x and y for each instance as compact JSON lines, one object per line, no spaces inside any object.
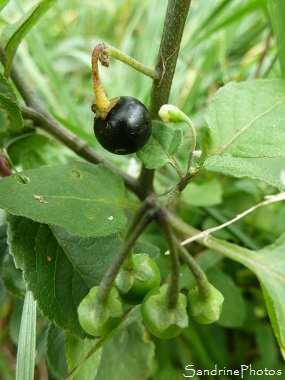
{"x":126,"y":128}
{"x":122,"y":125}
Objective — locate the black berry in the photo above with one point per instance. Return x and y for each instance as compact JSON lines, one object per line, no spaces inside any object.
{"x":126,"y":128}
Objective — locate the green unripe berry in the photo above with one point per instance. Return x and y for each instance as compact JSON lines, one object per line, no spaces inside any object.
{"x":135,"y":282}
{"x":163,"y":322}
{"x":98,"y":318}
{"x":205,"y":311}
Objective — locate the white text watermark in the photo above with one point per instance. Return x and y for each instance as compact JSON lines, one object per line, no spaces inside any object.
{"x":241,"y":372}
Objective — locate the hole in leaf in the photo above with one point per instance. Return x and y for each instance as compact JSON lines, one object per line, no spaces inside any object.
{"x":76,"y":174}
{"x":22,"y":179}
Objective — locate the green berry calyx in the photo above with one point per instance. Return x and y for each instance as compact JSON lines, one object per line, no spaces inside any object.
{"x":205,"y":311}
{"x":99,"y":318}
{"x":161,"y":321}
{"x":135,"y":282}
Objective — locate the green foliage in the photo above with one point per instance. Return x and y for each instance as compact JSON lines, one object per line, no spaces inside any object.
{"x":14,"y":34}
{"x":66,"y":268}
{"x":76,"y":350}
{"x":164,"y":142}
{"x":8,"y":103}
{"x":246,"y":119}
{"x":50,"y":194}
{"x":234,"y":307}
{"x":27,"y":340}
{"x":240,"y":167}
{"x":268,"y":266}
{"x":132,"y":350}
{"x":277,"y":14}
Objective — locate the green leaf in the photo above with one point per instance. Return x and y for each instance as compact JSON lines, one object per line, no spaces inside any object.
{"x":163,"y":143}
{"x":3,"y":242}
{"x":268,"y":264}
{"x":18,"y":31}
{"x":32,"y":149}
{"x":242,"y":167}
{"x":76,"y":350}
{"x":27,"y":340}
{"x":59,"y":268}
{"x":132,"y":350}
{"x":277,"y":14}
{"x":87,"y":200}
{"x":202,"y":195}
{"x":247,"y":119}
{"x":133,"y":316}
{"x":234,"y":311}
{"x":8,"y":102}
{"x":12,"y":277}
{"x":6,"y":88}
{"x":3,"y":3}
{"x":56,"y":356}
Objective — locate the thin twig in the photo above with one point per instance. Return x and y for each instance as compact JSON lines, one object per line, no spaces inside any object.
{"x":203,"y":234}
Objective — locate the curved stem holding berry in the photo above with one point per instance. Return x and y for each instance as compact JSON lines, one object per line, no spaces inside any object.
{"x":103,"y":105}
{"x":117,"y":54}
{"x":173,"y":289}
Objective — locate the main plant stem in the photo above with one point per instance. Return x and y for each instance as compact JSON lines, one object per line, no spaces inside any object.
{"x":176,"y":15}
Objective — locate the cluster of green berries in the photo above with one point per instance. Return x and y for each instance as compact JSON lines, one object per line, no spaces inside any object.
{"x":140,"y":283}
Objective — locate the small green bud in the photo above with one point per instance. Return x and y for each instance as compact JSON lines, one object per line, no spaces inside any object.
{"x":170,"y":113}
{"x":205,"y":311}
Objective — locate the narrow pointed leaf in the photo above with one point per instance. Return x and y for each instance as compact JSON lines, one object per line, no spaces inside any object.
{"x":27,"y":340}
{"x":3,"y":3}
{"x":277,"y":14}
{"x":21,"y":28}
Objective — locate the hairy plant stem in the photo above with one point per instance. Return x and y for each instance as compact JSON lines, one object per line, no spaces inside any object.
{"x":173,"y":289}
{"x":103,"y":104}
{"x":108,"y":280}
{"x":147,"y":204}
{"x":176,"y":14}
{"x":198,"y":273}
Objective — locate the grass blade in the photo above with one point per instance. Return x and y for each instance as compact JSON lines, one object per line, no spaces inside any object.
{"x":27,"y":340}
{"x":3,"y":3}
{"x":277,"y":14}
{"x":22,"y":29}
